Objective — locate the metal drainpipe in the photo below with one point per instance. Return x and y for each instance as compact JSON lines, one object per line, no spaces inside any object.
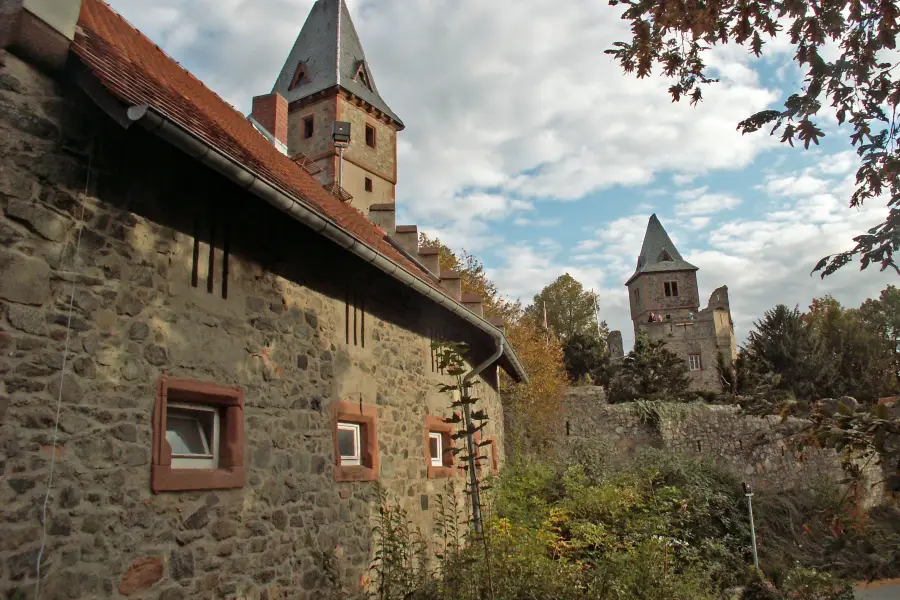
{"x":470,"y":438}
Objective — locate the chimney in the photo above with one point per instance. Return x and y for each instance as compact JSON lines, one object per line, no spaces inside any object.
{"x":408,"y":237}
{"x":473,"y":303}
{"x":384,"y":216}
{"x":431,"y":258}
{"x":39,"y":30}
{"x":271,"y":111}
{"x":452,"y":285}
{"x":498,"y":323}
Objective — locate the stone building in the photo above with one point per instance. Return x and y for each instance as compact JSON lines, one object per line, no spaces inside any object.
{"x":665,"y":305}
{"x":208,"y":360}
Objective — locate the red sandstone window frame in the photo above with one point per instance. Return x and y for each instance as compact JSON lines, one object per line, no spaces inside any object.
{"x":366,"y":416}
{"x":374,"y":136}
{"x":230,"y":472}
{"x":439,"y":425}
{"x":494,"y":456}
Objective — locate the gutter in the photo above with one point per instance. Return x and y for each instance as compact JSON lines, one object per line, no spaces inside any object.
{"x":157,"y":123}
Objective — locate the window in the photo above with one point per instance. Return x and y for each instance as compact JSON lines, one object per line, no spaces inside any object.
{"x":370,"y":136}
{"x":671,"y":288}
{"x":198,"y":436}
{"x":439,"y":457}
{"x":435,"y":449}
{"x":299,"y":76}
{"x":694,"y":362}
{"x":368,"y":184}
{"x":349,"y":441}
{"x":355,"y":441}
{"x":637,"y":296}
{"x":307,"y":127}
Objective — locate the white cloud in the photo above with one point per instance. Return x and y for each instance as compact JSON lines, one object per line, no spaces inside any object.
{"x":699,"y":201}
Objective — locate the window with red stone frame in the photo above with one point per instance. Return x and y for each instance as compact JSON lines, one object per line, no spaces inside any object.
{"x":228,"y":404}
{"x":366,"y":416}
{"x":437,"y":425}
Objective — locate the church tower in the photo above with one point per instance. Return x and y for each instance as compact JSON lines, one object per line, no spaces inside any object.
{"x":326,"y":78}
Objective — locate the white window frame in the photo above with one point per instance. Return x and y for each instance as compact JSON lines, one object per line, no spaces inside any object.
{"x":437,"y":461}
{"x":210,"y":460}
{"x":694,"y":363}
{"x":354,"y":460}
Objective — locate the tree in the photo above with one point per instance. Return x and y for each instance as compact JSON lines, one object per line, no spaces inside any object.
{"x":570,"y":309}
{"x":883,"y":315}
{"x":860,"y":85}
{"x":649,"y":369}
{"x":586,"y":356}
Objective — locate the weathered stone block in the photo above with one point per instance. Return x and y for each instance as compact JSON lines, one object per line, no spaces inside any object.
{"x":142,"y":574}
{"x":46,"y":223}
{"x":181,"y":564}
{"x":23,"y":279}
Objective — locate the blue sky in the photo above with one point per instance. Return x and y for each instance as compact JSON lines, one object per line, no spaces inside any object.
{"x":527,"y":146}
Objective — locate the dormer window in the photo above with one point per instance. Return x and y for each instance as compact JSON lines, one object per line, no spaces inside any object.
{"x":665,"y":257}
{"x":299,"y":76}
{"x":362,"y":75}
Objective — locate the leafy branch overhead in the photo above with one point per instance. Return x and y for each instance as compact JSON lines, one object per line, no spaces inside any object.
{"x":860,"y":85}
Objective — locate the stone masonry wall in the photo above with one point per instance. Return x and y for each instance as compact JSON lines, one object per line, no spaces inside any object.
{"x":280,"y":334}
{"x":751,"y":447}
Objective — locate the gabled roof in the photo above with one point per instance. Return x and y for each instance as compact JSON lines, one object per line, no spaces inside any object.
{"x":329,"y":53}
{"x":137,"y":72}
{"x":658,"y":253}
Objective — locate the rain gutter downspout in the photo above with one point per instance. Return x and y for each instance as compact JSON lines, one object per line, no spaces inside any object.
{"x":470,"y":437}
{"x":157,"y":123}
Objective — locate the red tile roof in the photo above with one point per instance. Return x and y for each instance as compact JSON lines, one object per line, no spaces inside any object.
{"x":137,"y":71}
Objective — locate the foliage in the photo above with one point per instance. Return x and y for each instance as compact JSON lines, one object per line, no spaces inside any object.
{"x":883,"y":316}
{"x":587,"y":359}
{"x":535,"y":406}
{"x":649,"y":369}
{"x":860,"y":84}
{"x":571,"y":310}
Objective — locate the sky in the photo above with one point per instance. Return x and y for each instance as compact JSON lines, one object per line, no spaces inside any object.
{"x":528,"y":147}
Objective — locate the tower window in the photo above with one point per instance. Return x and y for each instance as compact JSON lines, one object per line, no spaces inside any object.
{"x":298,"y":77}
{"x":637,"y":296}
{"x":370,"y":136}
{"x":368,"y":184}
{"x":671,"y":288}
{"x":307,"y":127}
{"x":694,"y":362}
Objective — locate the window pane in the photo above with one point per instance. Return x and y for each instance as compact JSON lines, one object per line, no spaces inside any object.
{"x":347,"y":442}
{"x":434,"y":444}
{"x":186,"y":435}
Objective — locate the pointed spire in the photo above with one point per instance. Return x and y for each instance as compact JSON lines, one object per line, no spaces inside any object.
{"x":328,"y":53}
{"x":658,"y":253}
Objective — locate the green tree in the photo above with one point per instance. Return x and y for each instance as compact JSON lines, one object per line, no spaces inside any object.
{"x":883,"y":314}
{"x":860,"y":84}
{"x":649,"y":369}
{"x":570,"y":309}
{"x":586,"y":356}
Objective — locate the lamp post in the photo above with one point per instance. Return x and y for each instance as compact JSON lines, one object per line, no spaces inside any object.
{"x":748,"y":491}
{"x":340,"y":134}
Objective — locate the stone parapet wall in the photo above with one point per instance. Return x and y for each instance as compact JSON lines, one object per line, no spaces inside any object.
{"x":754,"y":448}
{"x":281,"y":331}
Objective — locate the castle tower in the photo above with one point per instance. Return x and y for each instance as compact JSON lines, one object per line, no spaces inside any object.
{"x":327,"y":78}
{"x":664,"y":285}
{"x":663,"y":282}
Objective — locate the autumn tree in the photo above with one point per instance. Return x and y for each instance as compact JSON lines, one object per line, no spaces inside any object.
{"x":587,"y":357}
{"x":860,"y":84}
{"x":571,"y":309}
{"x":535,"y":406}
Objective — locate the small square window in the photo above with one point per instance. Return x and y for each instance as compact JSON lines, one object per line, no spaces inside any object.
{"x":198,"y":436}
{"x":355,"y":442}
{"x":671,"y":288}
{"x":694,"y":362}
{"x":307,"y":127}
{"x":370,"y":136}
{"x":435,"y":447}
{"x":368,"y":184}
{"x":349,"y":444}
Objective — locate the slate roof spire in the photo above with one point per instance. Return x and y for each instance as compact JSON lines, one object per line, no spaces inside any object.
{"x":658,"y":253}
{"x":328,"y":53}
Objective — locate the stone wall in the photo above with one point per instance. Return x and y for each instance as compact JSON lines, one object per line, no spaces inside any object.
{"x":320,"y":144}
{"x":279,"y":330}
{"x":754,"y":448}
